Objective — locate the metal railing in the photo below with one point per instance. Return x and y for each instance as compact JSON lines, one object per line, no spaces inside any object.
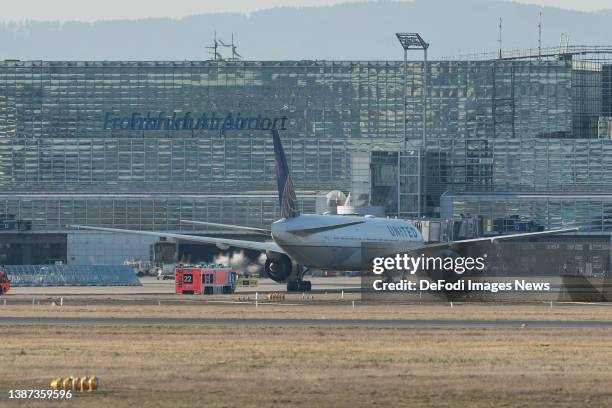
{"x":534,"y":53}
{"x":71,"y":275}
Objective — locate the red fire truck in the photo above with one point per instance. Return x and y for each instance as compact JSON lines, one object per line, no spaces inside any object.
{"x":205,"y":279}
{"x":5,"y":283}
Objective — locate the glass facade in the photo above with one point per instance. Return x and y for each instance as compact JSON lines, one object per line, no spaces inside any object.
{"x":530,"y":165}
{"x":591,"y":212}
{"x":390,"y":170}
{"x":606,"y":90}
{"x":73,"y":129}
{"x":53,"y":135}
{"x":147,"y":212}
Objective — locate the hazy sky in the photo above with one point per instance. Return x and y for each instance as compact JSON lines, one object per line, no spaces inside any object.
{"x":91,"y":10}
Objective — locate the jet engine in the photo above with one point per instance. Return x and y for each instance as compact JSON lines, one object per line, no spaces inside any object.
{"x":279,"y":268}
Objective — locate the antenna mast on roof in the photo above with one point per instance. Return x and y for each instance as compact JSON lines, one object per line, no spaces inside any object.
{"x":500,"y":38}
{"x":214,"y":48}
{"x":235,"y":55}
{"x":540,"y":38}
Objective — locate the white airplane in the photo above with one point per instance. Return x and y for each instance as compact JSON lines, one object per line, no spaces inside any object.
{"x":332,"y":242}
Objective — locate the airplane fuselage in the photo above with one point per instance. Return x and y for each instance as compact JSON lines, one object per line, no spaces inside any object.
{"x":315,"y":241}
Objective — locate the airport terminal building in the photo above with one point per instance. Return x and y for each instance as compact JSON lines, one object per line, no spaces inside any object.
{"x":142,"y":145}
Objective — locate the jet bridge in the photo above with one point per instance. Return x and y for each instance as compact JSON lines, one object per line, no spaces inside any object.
{"x":444,"y":230}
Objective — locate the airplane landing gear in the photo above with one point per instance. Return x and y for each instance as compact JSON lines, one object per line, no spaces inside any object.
{"x":299,"y":286}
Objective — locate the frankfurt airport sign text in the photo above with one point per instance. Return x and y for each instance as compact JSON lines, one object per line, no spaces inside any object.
{"x":189,"y":122}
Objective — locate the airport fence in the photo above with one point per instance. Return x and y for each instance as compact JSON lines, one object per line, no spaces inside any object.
{"x":71,"y":275}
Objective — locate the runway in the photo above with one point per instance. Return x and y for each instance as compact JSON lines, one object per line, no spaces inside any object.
{"x":374,"y":323}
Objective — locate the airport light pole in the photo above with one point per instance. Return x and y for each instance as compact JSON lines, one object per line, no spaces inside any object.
{"x":414,"y":41}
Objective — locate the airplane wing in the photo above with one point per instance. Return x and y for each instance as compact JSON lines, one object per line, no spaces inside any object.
{"x":257,"y":246}
{"x":261,"y":231}
{"x":496,"y":238}
{"x":523,"y":235}
{"x":391,"y":250}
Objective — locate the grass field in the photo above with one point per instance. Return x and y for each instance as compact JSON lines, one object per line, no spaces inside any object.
{"x":186,"y":366}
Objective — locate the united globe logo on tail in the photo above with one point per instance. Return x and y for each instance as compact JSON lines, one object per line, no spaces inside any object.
{"x":286,"y":191}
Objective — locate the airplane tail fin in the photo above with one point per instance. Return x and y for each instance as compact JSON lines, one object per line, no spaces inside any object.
{"x":286,"y":191}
